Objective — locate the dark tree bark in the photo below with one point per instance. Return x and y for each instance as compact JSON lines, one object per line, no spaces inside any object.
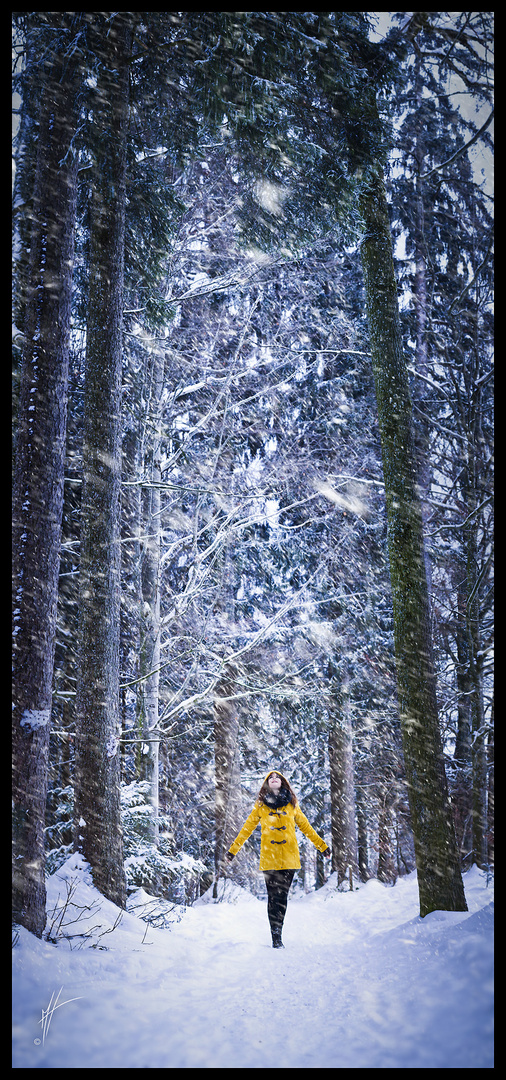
{"x":490,"y":801}
{"x":362,"y":838}
{"x":422,"y":431}
{"x":97,"y":777}
{"x":439,"y":875}
{"x":39,"y":464}
{"x":150,"y":584}
{"x":462,"y":760}
{"x":471,"y":475}
{"x":342,"y":786}
{"x":227,"y":772}
{"x":386,"y":862}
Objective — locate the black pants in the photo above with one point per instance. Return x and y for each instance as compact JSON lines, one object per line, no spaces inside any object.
{"x":278,"y":884}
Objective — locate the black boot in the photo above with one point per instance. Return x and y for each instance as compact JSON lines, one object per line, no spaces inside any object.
{"x":276,"y":938}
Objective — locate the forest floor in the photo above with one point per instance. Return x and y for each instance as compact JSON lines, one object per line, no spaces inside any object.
{"x":363,"y":982}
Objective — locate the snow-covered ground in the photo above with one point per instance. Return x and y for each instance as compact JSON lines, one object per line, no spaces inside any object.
{"x":363,"y":983}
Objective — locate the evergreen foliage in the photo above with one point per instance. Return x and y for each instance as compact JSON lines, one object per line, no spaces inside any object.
{"x":252,"y":523}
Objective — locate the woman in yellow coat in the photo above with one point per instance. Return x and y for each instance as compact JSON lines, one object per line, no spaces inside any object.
{"x":277,"y":812}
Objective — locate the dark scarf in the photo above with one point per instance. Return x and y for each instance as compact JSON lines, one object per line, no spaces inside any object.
{"x":276,"y":801}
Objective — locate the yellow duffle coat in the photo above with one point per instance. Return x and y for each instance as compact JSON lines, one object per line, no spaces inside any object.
{"x":279,"y":849}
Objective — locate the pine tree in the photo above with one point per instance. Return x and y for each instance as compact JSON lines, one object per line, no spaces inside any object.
{"x":283,"y":372}
{"x":252,"y":462}
{"x":444,"y":219}
{"x":97,"y":775}
{"x":150,"y":585}
{"x":440,"y":882}
{"x":439,"y":878}
{"x":342,"y":783}
{"x":56,"y":65}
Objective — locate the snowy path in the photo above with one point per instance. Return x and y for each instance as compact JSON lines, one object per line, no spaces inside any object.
{"x":363,"y":982}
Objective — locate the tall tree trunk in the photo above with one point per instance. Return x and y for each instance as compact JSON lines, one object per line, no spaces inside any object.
{"x":131,"y":533}
{"x":150,"y":578}
{"x":479,"y":740}
{"x":490,"y":800}
{"x":97,"y":777}
{"x":439,"y":876}
{"x":422,"y":433}
{"x":362,"y":836}
{"x":462,"y":758}
{"x":342,"y":786}
{"x":318,"y":823}
{"x":27,"y":148}
{"x":471,"y":530}
{"x":39,"y":470}
{"x":386,"y":861}
{"x":227,"y":770}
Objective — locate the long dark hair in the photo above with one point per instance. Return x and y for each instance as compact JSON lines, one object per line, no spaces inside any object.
{"x":265,"y":789}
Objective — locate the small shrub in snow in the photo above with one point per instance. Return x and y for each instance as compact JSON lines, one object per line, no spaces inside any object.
{"x":158,"y":870}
